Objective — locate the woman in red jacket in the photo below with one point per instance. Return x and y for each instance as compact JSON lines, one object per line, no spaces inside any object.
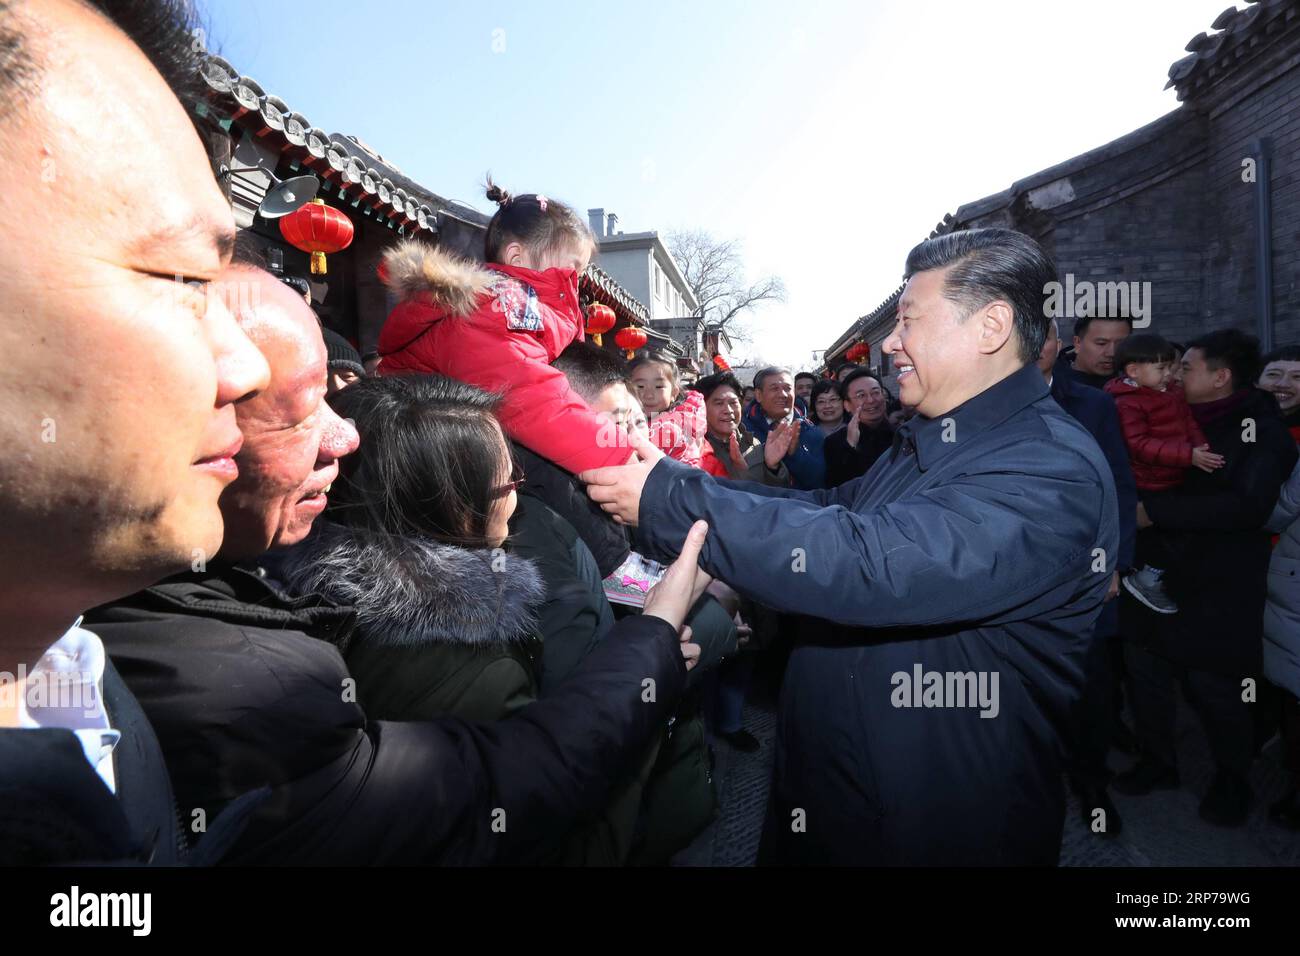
{"x":500,"y":325}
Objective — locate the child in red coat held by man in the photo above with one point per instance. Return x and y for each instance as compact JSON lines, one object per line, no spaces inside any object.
{"x":500,"y":324}
{"x":1163,"y":441}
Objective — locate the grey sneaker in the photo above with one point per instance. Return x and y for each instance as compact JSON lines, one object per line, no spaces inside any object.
{"x":1148,"y":586}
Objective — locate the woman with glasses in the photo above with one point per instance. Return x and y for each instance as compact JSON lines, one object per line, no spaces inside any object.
{"x":415,"y":540}
{"x":827,"y":407}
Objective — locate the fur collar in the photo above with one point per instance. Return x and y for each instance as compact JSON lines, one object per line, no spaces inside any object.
{"x":412,"y":590}
{"x":446,"y":281}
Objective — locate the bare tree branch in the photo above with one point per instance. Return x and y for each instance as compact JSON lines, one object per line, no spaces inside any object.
{"x":715,"y":271}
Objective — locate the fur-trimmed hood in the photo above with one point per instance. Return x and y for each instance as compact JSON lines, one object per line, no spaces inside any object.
{"x":410,"y":590}
{"x":446,"y":281}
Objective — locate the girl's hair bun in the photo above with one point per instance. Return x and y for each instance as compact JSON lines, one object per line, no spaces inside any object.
{"x":496,"y":193}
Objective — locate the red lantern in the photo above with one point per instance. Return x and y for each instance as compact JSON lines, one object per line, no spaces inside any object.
{"x":318,"y":229}
{"x":600,"y":318}
{"x":630,"y":338}
{"x":858,"y":352}
{"x":721,"y":364}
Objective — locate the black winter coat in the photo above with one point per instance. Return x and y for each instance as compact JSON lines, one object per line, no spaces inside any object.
{"x":566,"y":496}
{"x":574,"y":616}
{"x":245,"y":688}
{"x":844,"y":463}
{"x":1218,"y":571}
{"x":56,"y":810}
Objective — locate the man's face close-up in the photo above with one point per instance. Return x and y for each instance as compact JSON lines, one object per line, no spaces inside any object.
{"x":292,"y":438}
{"x":1283,"y":380}
{"x":1094,"y":351}
{"x":1200,"y":382}
{"x":803,"y":387}
{"x":933,"y":349}
{"x":120,"y":430}
{"x":867,"y":401}
{"x":722,"y":411}
{"x":776,"y":396}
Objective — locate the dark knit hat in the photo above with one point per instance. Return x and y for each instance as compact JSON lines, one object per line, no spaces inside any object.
{"x":340,"y":353}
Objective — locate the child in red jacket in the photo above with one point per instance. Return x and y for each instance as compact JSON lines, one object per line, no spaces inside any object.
{"x":501,"y":324}
{"x":1163,"y":441}
{"x":677,"y":421}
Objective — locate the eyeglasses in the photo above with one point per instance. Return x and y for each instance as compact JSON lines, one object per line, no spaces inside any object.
{"x":516,"y":479}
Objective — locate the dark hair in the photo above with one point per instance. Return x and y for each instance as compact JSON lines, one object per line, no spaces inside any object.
{"x":1231,"y":349}
{"x":822,"y":387}
{"x":854,"y":376}
{"x":1081,"y":324}
{"x":765,"y":373}
{"x":248,"y":251}
{"x":590,"y":369}
{"x":988,"y":264}
{"x":539,"y":223}
{"x":430,"y":456}
{"x":1143,"y":347}
{"x":711,"y":383}
{"x":164,"y":30}
{"x":806,"y":375}
{"x":656,"y":358}
{"x":1286,"y":353}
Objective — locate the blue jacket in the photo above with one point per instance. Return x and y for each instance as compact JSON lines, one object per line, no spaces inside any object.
{"x":807,"y":463}
{"x":1095,"y":411}
{"x":969,"y":548}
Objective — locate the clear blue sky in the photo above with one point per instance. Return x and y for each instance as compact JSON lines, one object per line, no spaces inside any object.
{"x":828,"y":135}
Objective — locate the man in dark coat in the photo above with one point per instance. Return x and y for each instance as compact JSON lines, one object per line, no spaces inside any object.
{"x":1218,"y":577}
{"x":959,"y":582}
{"x":1090,"y":360}
{"x":852,"y":450}
{"x":1099,"y":709}
{"x":246,"y":689}
{"x":117,"y":409}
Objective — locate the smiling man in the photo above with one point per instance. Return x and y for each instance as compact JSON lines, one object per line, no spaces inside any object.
{"x":979,"y":549}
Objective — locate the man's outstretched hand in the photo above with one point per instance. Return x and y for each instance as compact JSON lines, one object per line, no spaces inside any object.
{"x":617,"y":489}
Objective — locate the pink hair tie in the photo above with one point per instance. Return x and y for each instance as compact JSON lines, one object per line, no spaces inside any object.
{"x":541,"y":201}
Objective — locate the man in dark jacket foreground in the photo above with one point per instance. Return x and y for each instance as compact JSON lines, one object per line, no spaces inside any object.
{"x":1099,"y":720}
{"x":246,"y":689}
{"x":117,"y":409}
{"x":959,"y":581}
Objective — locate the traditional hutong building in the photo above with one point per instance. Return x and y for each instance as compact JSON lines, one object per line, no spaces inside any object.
{"x":259,"y":146}
{"x":1203,"y":203}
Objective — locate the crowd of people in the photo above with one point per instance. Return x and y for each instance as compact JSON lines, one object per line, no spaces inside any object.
{"x":493,"y":594}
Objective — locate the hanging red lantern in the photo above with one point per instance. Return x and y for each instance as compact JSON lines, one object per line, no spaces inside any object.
{"x":858,"y":352}
{"x":600,"y":318}
{"x":630,"y":338}
{"x":721,"y":364}
{"x":318,"y":229}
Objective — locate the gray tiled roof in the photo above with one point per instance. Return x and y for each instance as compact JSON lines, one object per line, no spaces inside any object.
{"x":343,"y":164}
{"x":1211,"y":55}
